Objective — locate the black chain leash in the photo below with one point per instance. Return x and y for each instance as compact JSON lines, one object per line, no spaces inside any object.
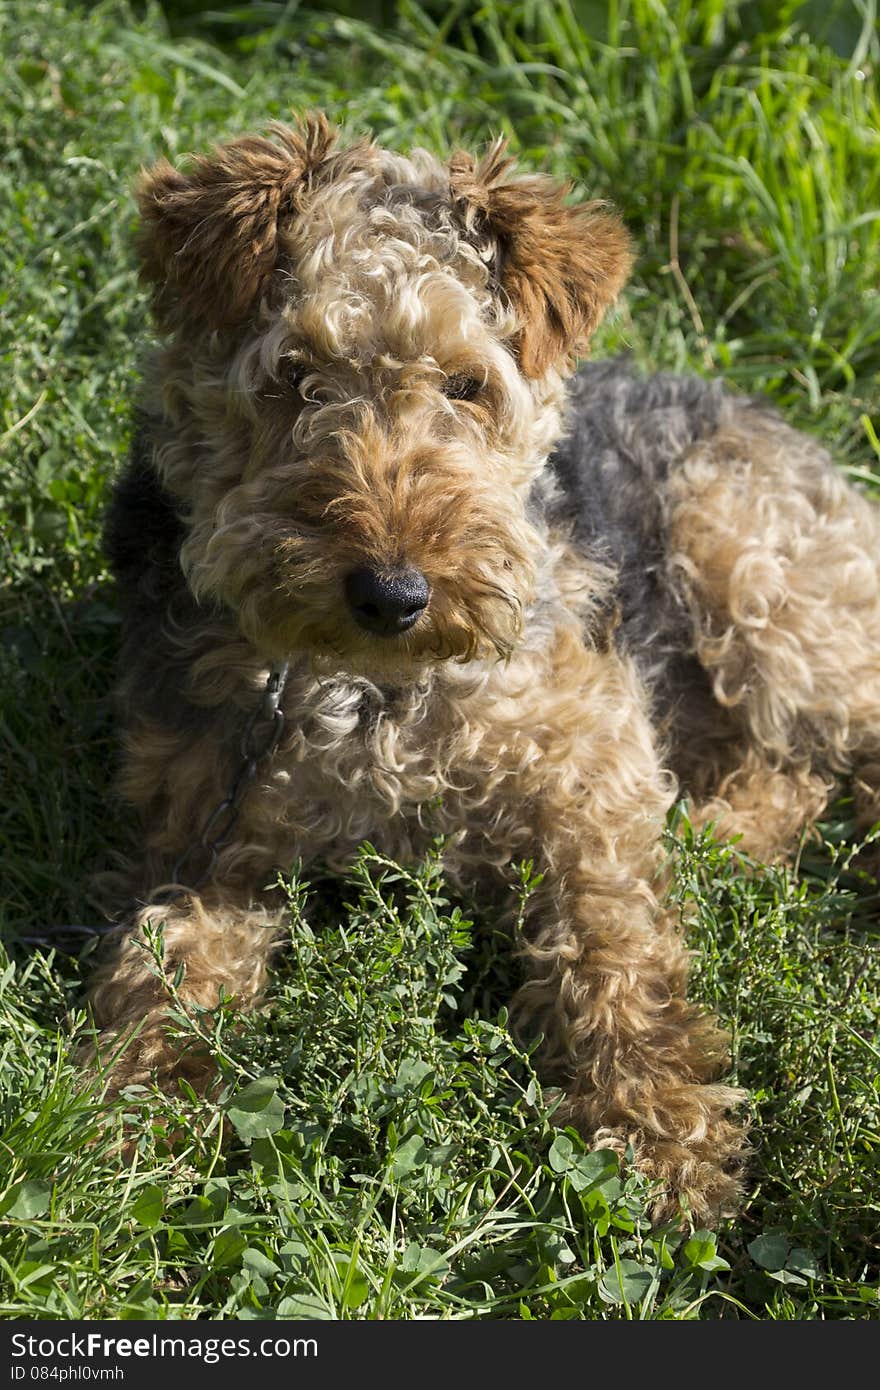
{"x":218,"y":828}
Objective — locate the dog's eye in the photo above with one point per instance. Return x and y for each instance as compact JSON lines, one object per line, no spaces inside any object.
{"x":295,"y":373}
{"x":461,"y":388}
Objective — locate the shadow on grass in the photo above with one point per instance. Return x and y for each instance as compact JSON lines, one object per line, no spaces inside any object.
{"x":59,"y":818}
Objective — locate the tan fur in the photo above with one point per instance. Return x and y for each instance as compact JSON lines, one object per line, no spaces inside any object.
{"x":316,"y":304}
{"x":217,"y":946}
{"x":209,"y":238}
{"x":561,"y":266}
{"x":780,"y":563}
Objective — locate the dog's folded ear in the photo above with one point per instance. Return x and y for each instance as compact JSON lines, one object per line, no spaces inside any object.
{"x":560,"y":265}
{"x":208,"y":239}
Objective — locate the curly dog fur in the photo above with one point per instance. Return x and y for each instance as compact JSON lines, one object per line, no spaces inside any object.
{"x":521,"y":606}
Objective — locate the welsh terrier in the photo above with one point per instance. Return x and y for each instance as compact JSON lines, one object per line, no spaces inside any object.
{"x":391,"y":568}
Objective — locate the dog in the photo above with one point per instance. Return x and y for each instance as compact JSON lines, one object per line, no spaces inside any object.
{"x":391,"y":568}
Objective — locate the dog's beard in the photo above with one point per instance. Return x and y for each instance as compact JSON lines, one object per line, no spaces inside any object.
{"x":282,"y":621}
{"x":285,"y":584}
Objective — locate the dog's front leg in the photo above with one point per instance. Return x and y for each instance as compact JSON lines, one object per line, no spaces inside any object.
{"x":580,"y":790}
{"x":193,"y":952}
{"x":637,"y":1061}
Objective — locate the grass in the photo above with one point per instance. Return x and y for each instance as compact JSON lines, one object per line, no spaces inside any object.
{"x":391,"y":1153}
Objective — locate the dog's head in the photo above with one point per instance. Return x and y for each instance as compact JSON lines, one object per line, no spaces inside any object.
{"x":361,"y":378}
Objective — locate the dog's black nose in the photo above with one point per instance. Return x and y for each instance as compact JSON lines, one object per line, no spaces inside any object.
{"x":387,"y":603}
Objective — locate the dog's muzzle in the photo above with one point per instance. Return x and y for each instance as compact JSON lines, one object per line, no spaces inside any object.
{"x":387,"y":603}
